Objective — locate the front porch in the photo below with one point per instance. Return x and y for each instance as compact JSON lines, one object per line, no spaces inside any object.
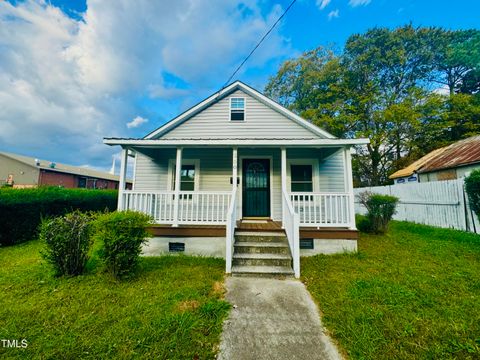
{"x":304,"y":192}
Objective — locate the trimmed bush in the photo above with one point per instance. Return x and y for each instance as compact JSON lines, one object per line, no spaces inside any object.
{"x":380,"y":210}
{"x":21,"y":210}
{"x":67,"y":242}
{"x":472,"y":187}
{"x":121,"y":234}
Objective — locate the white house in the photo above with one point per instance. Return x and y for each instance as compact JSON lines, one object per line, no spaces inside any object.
{"x":241,"y":177}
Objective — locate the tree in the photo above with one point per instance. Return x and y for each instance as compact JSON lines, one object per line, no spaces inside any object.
{"x":384,"y":86}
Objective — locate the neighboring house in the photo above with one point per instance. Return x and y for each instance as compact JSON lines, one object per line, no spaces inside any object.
{"x":240,"y":176}
{"x":450,"y":162}
{"x":23,"y":171}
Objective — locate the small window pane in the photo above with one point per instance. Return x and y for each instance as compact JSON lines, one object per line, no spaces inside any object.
{"x":187,"y":178}
{"x":301,"y":178}
{"x":188,"y":173}
{"x":187,"y":186}
{"x":301,"y":172}
{"x":238,"y":103}
{"x":302,"y":187}
{"x":237,"y":115}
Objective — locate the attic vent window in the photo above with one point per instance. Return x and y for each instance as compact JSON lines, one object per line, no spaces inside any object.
{"x":237,"y":109}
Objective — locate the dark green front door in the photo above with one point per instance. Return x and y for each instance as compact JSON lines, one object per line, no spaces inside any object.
{"x":256,"y":188}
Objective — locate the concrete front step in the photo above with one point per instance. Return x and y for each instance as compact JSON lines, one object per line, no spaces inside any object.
{"x":252,"y":236}
{"x":261,"y":248}
{"x":249,"y":259}
{"x":262,"y":271}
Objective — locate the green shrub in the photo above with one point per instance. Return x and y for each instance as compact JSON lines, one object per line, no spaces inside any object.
{"x":380,"y":210}
{"x":21,"y":210}
{"x":67,"y":242}
{"x":472,"y":187}
{"x":121,"y":234}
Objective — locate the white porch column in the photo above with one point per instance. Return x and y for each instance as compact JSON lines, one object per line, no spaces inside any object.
{"x":122,"y":180}
{"x":234,"y":167}
{"x":349,"y":187}
{"x":178,"y":169}
{"x":284,"y":182}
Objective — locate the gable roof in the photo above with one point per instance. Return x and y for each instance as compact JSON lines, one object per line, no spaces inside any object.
{"x":63,"y":168}
{"x":237,"y":85}
{"x":460,"y":153}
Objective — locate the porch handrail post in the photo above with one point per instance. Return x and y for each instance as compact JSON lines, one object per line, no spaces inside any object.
{"x":284,"y":182}
{"x":122,"y":178}
{"x":351,"y":203}
{"x":178,"y":169}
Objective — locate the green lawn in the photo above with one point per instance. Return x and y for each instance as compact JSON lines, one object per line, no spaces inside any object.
{"x":411,"y":294}
{"x":172,"y":309}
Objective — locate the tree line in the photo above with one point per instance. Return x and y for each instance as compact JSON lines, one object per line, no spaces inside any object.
{"x":409,"y":90}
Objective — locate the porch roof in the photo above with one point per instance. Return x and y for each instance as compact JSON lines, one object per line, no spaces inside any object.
{"x":234,"y":141}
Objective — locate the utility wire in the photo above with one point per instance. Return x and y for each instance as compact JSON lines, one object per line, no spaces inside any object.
{"x":258,"y":44}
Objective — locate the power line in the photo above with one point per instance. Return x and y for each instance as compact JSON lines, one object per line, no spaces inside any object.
{"x":258,"y":44}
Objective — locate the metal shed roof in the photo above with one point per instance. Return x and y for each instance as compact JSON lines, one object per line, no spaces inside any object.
{"x":461,"y":153}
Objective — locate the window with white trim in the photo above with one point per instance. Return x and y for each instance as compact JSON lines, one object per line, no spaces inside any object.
{"x":188,"y":175}
{"x":237,"y":109}
{"x":301,"y":178}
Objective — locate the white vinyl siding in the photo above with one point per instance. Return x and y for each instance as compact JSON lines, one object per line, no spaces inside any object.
{"x":151,"y":171}
{"x":260,"y":121}
{"x":332,"y":173}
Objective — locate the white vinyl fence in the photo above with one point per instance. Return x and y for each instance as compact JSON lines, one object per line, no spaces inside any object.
{"x":439,"y":203}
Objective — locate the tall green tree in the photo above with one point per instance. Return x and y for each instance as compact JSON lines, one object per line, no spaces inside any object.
{"x":384,"y":86}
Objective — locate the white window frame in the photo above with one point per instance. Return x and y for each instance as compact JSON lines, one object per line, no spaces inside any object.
{"x":315,"y":173}
{"x":244,"y":109}
{"x":171,"y":173}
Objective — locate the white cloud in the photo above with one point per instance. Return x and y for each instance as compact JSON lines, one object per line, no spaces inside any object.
{"x":355,"y":3}
{"x":66,"y":83}
{"x":322,"y":4}
{"x":333,"y":14}
{"x":136,"y":122}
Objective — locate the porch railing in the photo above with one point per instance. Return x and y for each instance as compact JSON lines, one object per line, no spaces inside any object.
{"x":291,"y":224}
{"x":230,"y":231}
{"x":194,"y":207}
{"x":323,"y":209}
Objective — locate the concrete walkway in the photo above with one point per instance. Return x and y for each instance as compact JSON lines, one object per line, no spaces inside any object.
{"x":273,"y":319}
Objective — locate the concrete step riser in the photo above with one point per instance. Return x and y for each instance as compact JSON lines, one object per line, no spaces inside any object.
{"x":263,"y":262}
{"x":261,"y":250}
{"x":260,"y":239}
{"x":263,"y":275}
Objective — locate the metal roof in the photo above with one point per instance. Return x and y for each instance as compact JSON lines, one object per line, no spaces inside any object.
{"x":63,"y":168}
{"x":461,"y":153}
{"x":415,"y":166}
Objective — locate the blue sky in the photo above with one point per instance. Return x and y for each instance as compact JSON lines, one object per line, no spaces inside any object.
{"x":73,"y":71}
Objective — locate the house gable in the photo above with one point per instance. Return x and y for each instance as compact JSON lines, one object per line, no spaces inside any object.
{"x":263,"y":119}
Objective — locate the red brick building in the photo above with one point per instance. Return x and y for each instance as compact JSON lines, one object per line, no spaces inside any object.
{"x":23,"y":171}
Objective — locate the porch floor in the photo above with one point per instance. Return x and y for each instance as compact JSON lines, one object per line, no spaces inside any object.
{"x":250,"y":225}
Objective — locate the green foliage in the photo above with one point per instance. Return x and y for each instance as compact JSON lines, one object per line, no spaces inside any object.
{"x":411,"y":294}
{"x":67,"y":242}
{"x":472,"y":187}
{"x":174,"y":309}
{"x":383,"y":86}
{"x":380,"y":210}
{"x":21,"y":210}
{"x":121,"y":234}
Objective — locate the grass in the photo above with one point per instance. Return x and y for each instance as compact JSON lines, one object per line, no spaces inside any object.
{"x":411,"y":294}
{"x":172,"y":309}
